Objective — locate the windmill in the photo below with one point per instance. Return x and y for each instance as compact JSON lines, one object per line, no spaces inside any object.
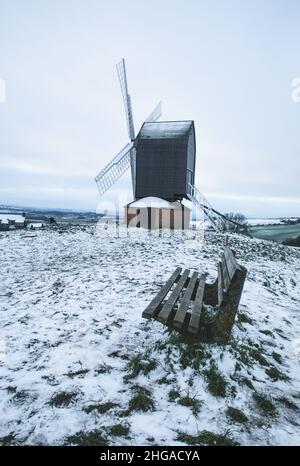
{"x":126,"y":158}
{"x":162,"y":160}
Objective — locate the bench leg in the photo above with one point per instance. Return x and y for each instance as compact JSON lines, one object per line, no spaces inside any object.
{"x":211,"y":293}
{"x":220,"y":328}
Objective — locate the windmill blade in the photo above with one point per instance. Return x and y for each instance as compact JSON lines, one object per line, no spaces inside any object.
{"x":156,"y":114}
{"x":115,"y":169}
{"x":121,"y":69}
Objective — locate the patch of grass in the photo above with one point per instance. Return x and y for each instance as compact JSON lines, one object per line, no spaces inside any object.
{"x":24,"y":396}
{"x":63,"y":399}
{"x":7,"y":440}
{"x":92,"y":438}
{"x":247,"y":382}
{"x":288,"y":403}
{"x":244,"y":357}
{"x":176,"y":339}
{"x":241,"y":353}
{"x":191,"y":353}
{"x":266,"y":332}
{"x":140,"y":364}
{"x":103,"y":369}
{"x":216,"y":383}
{"x":265,"y":404}
{"x":164,"y":380}
{"x":206,"y":438}
{"x":277,"y":357}
{"x":236,"y":415}
{"x":257,"y":355}
{"x":51,"y":380}
{"x":119,"y":430}
{"x":80,"y":372}
{"x":173,"y":394}
{"x":11,"y":389}
{"x":280,"y":333}
{"x":208,"y":312}
{"x":118,"y":354}
{"x":243,"y":318}
{"x":141,"y":401}
{"x":276,"y":374}
{"x":190,"y":381}
{"x":101,"y":408}
{"x":192,"y":356}
{"x":237,"y":367}
{"x":190,"y":403}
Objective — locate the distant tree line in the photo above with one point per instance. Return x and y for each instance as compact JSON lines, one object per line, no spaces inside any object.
{"x":237,"y":217}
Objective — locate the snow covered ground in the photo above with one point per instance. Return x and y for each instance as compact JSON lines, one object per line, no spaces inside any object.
{"x":79,"y":365}
{"x":264,"y":221}
{"x":269,"y":221}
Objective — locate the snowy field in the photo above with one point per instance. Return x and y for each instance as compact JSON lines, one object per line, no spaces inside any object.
{"x":78,"y":364}
{"x":264,"y":221}
{"x":276,"y":233}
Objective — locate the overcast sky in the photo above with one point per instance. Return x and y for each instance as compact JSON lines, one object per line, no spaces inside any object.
{"x":228,"y":65}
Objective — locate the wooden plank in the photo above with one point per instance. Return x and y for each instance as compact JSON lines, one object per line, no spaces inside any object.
{"x":225,"y":274}
{"x":168,"y":306}
{"x":220,"y":284}
{"x":181,"y":312}
{"x":231,"y":262}
{"x":152,"y":307}
{"x":196,"y":312}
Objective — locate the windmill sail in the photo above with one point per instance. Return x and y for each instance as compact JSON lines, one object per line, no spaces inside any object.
{"x":156,"y":114}
{"x":115,"y":169}
{"x":121,"y":69}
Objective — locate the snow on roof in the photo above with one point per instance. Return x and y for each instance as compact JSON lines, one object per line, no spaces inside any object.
{"x":165,"y":129}
{"x":155,"y":202}
{"x":5,"y":218}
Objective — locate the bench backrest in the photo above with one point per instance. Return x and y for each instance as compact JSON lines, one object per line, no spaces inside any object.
{"x":226,"y":270}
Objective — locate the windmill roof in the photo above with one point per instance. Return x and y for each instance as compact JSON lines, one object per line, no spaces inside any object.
{"x":165,"y":129}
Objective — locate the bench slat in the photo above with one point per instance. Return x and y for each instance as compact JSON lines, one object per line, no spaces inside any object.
{"x":231,"y":262}
{"x":167,"y":308}
{"x":181,"y":312}
{"x":196,"y":312}
{"x":152,"y":307}
{"x":225,"y":274}
{"x":220,"y":284}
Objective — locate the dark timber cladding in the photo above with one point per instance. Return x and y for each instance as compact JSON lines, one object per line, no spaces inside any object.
{"x":165,"y":159}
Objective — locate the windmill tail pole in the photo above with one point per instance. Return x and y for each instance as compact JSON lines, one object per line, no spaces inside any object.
{"x":239,"y":225}
{"x":219,"y":220}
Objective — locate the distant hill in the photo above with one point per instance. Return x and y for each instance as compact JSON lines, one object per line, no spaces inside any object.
{"x":61,"y":215}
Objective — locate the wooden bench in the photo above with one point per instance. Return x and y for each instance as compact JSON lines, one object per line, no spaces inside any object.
{"x":180,"y":303}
